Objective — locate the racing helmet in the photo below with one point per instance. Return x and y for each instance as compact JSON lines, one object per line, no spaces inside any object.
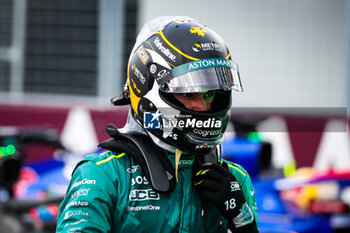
{"x":177,"y":54}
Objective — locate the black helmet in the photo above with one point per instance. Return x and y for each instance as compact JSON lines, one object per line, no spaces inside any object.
{"x":180,"y":55}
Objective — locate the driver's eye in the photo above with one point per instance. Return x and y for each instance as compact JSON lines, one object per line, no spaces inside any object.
{"x":209,"y":94}
{"x":187,"y":95}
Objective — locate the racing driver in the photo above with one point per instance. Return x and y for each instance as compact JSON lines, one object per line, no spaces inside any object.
{"x":163,"y":171}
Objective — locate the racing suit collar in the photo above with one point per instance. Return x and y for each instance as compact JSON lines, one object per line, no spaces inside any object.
{"x":186,"y":160}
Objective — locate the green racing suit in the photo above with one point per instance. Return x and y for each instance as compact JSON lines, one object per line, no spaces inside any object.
{"x":108,"y":192}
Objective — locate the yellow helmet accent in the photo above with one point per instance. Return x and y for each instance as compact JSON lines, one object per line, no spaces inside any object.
{"x":133,"y":98}
{"x":176,"y":49}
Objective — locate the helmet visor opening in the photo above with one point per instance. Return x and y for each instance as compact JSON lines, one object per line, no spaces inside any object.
{"x":204,"y":75}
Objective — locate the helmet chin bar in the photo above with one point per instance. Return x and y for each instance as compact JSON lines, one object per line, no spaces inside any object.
{"x":203,"y":141}
{"x":192,"y":138}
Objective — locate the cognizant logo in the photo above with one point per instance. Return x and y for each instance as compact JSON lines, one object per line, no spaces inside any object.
{"x":153,"y":120}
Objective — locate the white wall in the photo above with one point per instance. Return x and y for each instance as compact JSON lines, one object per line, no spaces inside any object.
{"x":290,"y":53}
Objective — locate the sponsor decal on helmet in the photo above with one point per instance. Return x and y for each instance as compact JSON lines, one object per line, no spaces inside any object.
{"x":206,"y":63}
{"x":138,"y":74}
{"x":162,"y":74}
{"x":207,"y":47}
{"x":164,"y":50}
{"x":153,"y":68}
{"x":142,"y":55}
{"x":197,"y":48}
{"x":204,"y":146}
{"x":201,"y":64}
{"x":205,"y":133}
{"x":200,"y":31}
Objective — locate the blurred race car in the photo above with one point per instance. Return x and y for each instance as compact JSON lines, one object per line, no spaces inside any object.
{"x":306,"y":201}
{"x":30,"y":191}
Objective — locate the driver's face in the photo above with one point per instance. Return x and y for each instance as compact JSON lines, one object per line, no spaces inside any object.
{"x":196,"y":101}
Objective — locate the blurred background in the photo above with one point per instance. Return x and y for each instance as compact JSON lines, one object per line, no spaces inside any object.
{"x":62,"y":60}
